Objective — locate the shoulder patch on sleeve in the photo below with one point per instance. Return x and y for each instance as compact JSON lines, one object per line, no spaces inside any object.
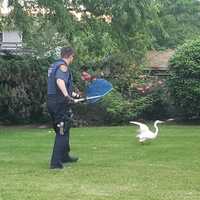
{"x":63,"y":68}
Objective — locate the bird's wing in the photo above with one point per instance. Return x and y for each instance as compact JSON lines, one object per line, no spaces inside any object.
{"x":147,"y":134}
{"x":143,"y":127}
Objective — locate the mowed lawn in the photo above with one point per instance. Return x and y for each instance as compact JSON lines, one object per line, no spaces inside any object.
{"x":112,"y":165}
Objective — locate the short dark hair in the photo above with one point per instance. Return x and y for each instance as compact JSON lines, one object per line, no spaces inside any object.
{"x":84,"y":68}
{"x":66,"y":52}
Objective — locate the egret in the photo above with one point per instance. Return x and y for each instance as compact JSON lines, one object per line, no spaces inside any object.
{"x":145,"y":133}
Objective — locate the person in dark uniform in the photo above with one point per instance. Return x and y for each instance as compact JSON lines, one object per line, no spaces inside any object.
{"x":59,"y":100}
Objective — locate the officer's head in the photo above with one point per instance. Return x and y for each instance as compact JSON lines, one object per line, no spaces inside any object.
{"x":67,"y":53}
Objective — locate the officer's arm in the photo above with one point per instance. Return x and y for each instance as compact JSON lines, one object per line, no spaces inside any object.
{"x":61,"y":85}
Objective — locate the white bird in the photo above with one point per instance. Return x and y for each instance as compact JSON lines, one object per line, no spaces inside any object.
{"x":145,"y":133}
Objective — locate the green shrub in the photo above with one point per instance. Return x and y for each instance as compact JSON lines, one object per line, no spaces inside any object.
{"x":184,"y":79}
{"x":160,"y":107}
{"x":114,"y":109}
{"x":120,"y":110}
{"x":22,"y":88}
{"x":23,"y":95}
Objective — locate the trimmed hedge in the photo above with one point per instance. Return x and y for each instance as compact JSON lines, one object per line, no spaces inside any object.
{"x":184,"y":80}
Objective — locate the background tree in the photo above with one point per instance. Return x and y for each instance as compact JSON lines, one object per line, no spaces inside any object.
{"x":180,"y":21}
{"x":123,"y":24}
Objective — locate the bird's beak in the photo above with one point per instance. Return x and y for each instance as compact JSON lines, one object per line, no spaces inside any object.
{"x":170,"y":120}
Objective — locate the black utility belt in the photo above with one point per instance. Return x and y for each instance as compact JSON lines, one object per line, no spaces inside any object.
{"x":56,"y":98}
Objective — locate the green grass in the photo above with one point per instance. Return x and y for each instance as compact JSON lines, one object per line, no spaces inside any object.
{"x":112,"y":165}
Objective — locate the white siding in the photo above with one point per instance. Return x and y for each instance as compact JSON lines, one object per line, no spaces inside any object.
{"x":12,"y":37}
{"x":11,"y":40}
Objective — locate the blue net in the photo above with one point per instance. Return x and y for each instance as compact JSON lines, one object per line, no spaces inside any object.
{"x":97,"y":88}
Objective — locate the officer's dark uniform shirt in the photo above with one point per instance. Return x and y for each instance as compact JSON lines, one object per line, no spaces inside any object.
{"x":55,"y":73}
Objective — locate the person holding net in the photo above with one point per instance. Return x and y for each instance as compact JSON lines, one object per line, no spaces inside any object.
{"x":60,"y":97}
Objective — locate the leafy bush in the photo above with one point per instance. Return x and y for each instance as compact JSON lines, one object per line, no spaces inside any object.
{"x":23,"y":94}
{"x":184,"y":79}
{"x":120,"y":110}
{"x":160,"y":107}
{"x":115,"y":109}
{"x":23,"y":88}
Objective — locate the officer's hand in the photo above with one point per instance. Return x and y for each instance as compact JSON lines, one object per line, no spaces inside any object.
{"x":69,"y":100}
{"x":76,"y":95}
{"x":82,"y":99}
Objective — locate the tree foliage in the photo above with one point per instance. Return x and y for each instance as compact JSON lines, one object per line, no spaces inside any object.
{"x":130,"y":26}
{"x":180,"y":21}
{"x":126,"y":31}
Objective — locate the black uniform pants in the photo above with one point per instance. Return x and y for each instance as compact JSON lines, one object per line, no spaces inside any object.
{"x":60,"y":112}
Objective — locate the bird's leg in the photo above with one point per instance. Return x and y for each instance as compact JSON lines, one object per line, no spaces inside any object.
{"x":141,"y":142}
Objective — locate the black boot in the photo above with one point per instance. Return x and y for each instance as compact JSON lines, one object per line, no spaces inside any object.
{"x":56,"y":166}
{"x":69,"y":159}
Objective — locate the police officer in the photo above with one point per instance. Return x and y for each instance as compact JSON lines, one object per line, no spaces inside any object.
{"x":59,"y":100}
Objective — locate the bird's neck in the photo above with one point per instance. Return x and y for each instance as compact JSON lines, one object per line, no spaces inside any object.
{"x":156,"y":127}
